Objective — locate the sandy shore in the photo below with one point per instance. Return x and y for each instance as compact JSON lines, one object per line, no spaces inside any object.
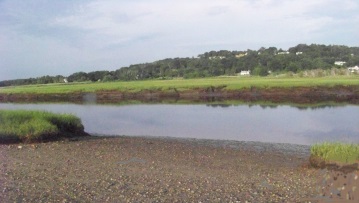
{"x":140,"y":169}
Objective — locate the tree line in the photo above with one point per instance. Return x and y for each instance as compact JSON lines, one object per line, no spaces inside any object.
{"x":215,"y":63}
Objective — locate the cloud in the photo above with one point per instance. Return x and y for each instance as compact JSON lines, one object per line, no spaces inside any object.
{"x":92,"y":34}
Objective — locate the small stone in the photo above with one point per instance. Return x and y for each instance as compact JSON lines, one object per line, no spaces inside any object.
{"x":19,"y":147}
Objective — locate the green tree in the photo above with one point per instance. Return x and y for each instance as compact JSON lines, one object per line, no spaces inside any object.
{"x":78,"y":77}
{"x":260,"y":70}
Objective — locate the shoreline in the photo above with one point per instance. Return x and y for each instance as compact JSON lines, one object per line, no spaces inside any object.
{"x":163,"y":169}
{"x":257,"y":146}
{"x":146,"y":169}
{"x":300,"y":95}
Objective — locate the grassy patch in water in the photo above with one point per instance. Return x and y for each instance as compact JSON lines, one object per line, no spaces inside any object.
{"x":336,"y":152}
{"x":29,"y":126}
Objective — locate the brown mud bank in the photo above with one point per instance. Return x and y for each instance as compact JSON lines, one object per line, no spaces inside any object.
{"x":301,"y":95}
{"x":339,"y":180}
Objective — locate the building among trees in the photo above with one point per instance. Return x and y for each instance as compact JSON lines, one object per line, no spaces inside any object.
{"x":354,"y":69}
{"x":245,"y":72}
{"x":339,"y":63}
{"x":222,"y":62}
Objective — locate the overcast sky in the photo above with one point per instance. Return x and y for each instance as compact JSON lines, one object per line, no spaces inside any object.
{"x":51,"y":37}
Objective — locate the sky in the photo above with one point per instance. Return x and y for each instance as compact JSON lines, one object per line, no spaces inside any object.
{"x":51,"y":37}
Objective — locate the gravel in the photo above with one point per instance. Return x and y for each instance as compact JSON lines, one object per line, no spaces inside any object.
{"x":144,"y":169}
{"x":284,"y":148}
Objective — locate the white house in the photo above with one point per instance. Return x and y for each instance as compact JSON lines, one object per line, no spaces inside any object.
{"x":283,"y":52}
{"x":298,"y":53}
{"x":340,"y":63}
{"x":240,"y":55}
{"x":245,"y":72}
{"x":354,"y":69}
{"x":216,"y":57}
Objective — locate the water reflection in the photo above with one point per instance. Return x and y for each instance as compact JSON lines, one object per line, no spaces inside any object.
{"x":265,"y":123}
{"x":273,"y":106}
{"x":219,"y":105}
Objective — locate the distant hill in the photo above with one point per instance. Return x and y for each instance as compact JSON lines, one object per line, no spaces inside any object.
{"x":215,"y":63}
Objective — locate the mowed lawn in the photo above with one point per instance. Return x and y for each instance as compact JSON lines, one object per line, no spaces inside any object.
{"x":229,"y":83}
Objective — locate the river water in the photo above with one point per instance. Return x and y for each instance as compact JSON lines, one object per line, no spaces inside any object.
{"x":278,"y":124}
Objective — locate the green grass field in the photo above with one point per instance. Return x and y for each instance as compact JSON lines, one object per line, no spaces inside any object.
{"x":35,"y":125}
{"x":230,"y":83}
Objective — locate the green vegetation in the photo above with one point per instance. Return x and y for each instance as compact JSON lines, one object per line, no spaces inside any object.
{"x":228,"y":83}
{"x":336,"y":152}
{"x":261,"y":62}
{"x":21,"y":125}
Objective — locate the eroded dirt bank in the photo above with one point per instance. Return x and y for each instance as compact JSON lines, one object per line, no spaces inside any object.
{"x":303,"y":95}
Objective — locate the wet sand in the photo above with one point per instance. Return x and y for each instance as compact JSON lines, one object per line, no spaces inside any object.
{"x":140,"y":169}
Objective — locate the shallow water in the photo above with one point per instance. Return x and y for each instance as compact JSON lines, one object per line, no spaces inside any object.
{"x":280,"y":124}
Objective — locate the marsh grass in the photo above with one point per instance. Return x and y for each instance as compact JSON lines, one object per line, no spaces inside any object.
{"x":178,"y":84}
{"x":336,"y":152}
{"x":31,"y":126}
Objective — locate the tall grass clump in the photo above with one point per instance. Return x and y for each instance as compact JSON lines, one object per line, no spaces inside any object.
{"x":30,"y":126}
{"x":336,"y":152}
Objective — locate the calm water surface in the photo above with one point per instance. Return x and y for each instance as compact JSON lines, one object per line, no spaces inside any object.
{"x":282,"y":124}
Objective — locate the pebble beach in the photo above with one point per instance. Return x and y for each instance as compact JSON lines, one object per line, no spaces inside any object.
{"x":148,"y":169}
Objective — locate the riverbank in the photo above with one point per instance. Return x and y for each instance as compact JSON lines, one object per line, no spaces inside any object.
{"x":271,"y":89}
{"x":298,"y":95}
{"x":140,"y":169}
